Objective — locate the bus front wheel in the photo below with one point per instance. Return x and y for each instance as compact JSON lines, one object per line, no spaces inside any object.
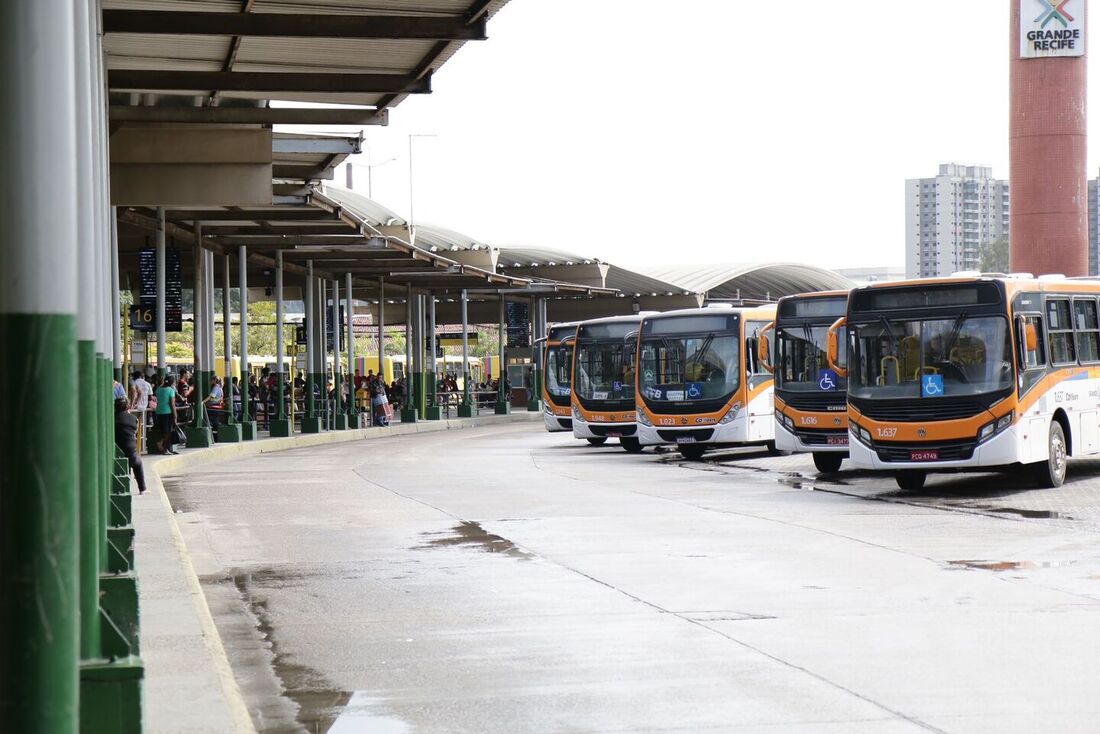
{"x":631,"y":445}
{"x":692,"y":451}
{"x":598,"y":440}
{"x":911,"y":481}
{"x":828,"y":463}
{"x":1052,"y":472}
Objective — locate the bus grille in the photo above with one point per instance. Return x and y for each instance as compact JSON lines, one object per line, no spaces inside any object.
{"x":815,"y":402}
{"x":699,"y":434}
{"x":604,"y":430}
{"x":948,"y":450}
{"x":912,"y":411}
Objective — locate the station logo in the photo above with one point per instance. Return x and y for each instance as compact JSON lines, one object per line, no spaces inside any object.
{"x":1052,"y":28}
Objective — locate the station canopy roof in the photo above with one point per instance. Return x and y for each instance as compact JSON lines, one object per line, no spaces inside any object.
{"x":224,"y":61}
{"x":756,"y":281}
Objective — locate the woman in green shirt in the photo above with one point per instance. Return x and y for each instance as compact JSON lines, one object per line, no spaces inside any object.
{"x":166,"y":415}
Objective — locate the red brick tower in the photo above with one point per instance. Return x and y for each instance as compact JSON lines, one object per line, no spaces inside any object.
{"x":1048,"y":216}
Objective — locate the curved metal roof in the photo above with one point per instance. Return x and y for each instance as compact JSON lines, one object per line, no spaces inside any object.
{"x":757,"y":281}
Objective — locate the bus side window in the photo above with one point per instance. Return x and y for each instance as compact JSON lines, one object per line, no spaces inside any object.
{"x":1088,"y":330}
{"x":1060,"y":328}
{"x":1030,"y":338}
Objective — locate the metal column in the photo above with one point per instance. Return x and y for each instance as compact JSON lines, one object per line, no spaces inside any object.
{"x":162,"y":346}
{"x":538,"y":332}
{"x":381,"y":328}
{"x":339,"y":420}
{"x":116,"y":318}
{"x":432,"y":410}
{"x":310,"y":422}
{"x":322,"y":349}
{"x":409,"y":413}
{"x":248,"y":423}
{"x":350,"y":374}
{"x":502,"y":407}
{"x":199,"y":435}
{"x":466,"y":409}
{"x":279,"y":426}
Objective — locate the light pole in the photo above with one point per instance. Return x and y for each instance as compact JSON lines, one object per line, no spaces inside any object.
{"x":412,"y":226}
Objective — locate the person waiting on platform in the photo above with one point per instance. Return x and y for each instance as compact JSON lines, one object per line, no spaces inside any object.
{"x":126,"y":424}
{"x":215,"y":403}
{"x":166,"y":415}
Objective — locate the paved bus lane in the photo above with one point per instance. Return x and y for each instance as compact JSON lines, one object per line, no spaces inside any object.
{"x":505,"y":579}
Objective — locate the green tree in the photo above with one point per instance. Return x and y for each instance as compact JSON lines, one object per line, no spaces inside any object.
{"x":993,"y":256}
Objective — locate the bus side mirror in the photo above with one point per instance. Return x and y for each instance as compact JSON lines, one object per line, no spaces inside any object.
{"x":763,"y":347}
{"x":832,"y":347}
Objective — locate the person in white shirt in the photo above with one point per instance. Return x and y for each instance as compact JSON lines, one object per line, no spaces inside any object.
{"x":140,"y":390}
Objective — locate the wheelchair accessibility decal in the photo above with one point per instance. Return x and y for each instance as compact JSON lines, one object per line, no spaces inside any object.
{"x":694,"y":390}
{"x":931,"y":386}
{"x":827,"y":379}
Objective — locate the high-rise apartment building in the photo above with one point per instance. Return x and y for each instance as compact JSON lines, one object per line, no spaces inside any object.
{"x":950,"y":217}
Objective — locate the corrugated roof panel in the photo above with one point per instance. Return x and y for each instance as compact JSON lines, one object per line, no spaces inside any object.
{"x":330,"y":54}
{"x":129,"y":51}
{"x":395,"y":7}
{"x":760,"y":280}
{"x":365,"y":208}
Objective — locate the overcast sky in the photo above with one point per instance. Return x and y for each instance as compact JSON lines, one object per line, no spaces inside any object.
{"x":702,"y":131}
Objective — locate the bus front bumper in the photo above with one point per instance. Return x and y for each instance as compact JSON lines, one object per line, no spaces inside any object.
{"x":1001,"y":450}
{"x":556,"y":423}
{"x":734,"y":432}
{"x":584,"y":429}
{"x":785,"y":440}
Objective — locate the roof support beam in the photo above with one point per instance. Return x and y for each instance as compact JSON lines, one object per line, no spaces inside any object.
{"x":262,"y":81}
{"x":278,"y":228}
{"x":251,"y":115}
{"x":296,"y":25}
{"x":287,"y":214}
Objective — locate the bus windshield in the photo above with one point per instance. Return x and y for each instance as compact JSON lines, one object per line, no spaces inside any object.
{"x":697,"y":367}
{"x":930,"y":358}
{"x":600,"y":373}
{"x":801,"y":363}
{"x":559,"y":363}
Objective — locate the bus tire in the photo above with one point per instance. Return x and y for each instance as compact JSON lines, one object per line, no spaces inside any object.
{"x":773,"y":451}
{"x":631,"y":444}
{"x":692,"y":451}
{"x":598,"y":440}
{"x":910,"y":481}
{"x":1051,"y":473}
{"x":828,"y":463}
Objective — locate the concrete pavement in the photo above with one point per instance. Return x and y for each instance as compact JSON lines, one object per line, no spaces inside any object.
{"x":189,"y":686}
{"x":505,"y":579}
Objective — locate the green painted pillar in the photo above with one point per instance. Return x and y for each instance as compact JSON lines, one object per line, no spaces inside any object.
{"x":280,"y":426}
{"x":466,"y":409}
{"x":229,"y":431}
{"x":349,"y":308}
{"x":39,"y":430}
{"x":538,"y":332}
{"x":339,"y":421}
{"x":198,"y":434}
{"x":502,"y":406}
{"x":311,"y":422}
{"x":409,"y":413}
{"x":248,"y":425}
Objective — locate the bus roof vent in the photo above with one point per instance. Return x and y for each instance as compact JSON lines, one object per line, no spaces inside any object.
{"x":994,"y":275}
{"x":718,"y":305}
{"x":1052,"y":276}
{"x":966,"y":274}
{"x":1025,"y":276}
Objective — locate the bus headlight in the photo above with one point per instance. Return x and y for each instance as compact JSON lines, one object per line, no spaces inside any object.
{"x":731,"y":414}
{"x":577,"y":414}
{"x":991,"y":429}
{"x":642,"y":417}
{"x":861,"y":433}
{"x":785,"y":420}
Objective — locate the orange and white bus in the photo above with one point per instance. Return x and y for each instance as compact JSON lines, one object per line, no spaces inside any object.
{"x":700,"y":383}
{"x":557,"y":382}
{"x":602,"y":395}
{"x":973,"y":372}
{"x":810,"y":397}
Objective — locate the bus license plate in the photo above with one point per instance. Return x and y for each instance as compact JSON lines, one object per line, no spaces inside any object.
{"x":924,"y":456}
{"x":685,"y":439}
{"x":838,"y":440}
{"x":614,"y":434}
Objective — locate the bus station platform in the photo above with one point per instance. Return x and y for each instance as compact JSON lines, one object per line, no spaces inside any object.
{"x":189,"y":686}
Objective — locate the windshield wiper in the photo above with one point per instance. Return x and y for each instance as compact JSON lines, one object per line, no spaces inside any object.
{"x":889,"y":332}
{"x":955,"y":329}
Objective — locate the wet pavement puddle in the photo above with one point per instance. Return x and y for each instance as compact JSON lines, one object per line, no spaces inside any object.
{"x":471,"y":535}
{"x":1009,"y":565}
{"x":318,"y":705}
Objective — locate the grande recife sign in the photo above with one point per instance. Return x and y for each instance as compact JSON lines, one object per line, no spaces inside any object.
{"x":1052,"y":28}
